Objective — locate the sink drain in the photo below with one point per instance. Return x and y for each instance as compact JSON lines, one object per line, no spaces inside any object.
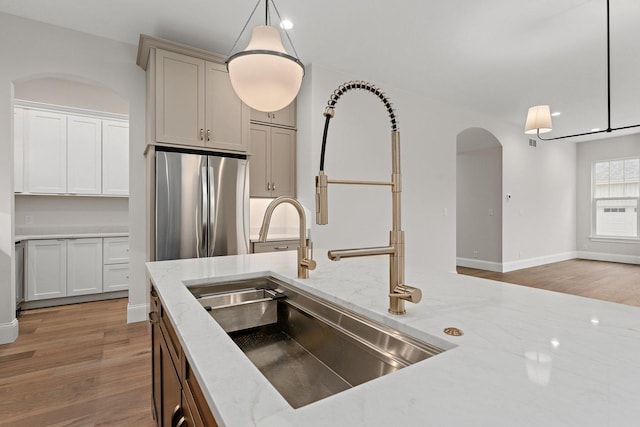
{"x":453,"y":331}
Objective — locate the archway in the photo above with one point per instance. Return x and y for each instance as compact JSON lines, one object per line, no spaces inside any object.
{"x":478,"y":200}
{"x":90,"y":109}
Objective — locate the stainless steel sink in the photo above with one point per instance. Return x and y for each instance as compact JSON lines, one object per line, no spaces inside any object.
{"x":308,"y":348}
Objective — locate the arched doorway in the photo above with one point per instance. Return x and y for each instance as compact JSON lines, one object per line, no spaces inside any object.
{"x":478,"y":200}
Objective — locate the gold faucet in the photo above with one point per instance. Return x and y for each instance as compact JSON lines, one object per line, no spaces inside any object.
{"x":399,"y":292}
{"x":305,"y":254}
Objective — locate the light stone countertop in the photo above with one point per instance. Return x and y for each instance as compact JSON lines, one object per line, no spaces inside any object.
{"x":528,"y":357}
{"x":69,"y":232}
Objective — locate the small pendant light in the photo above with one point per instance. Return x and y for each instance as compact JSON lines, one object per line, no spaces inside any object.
{"x":264,"y":75}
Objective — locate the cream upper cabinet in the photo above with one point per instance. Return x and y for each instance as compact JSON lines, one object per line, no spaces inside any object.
{"x":227,"y":117}
{"x":285,"y":117}
{"x":196,"y":105}
{"x":46,"y":152}
{"x":180,"y":95}
{"x":84,"y":155}
{"x":273,"y":157}
{"x":115,"y":157}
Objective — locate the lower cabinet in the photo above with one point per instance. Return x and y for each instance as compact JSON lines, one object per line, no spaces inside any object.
{"x":58,"y":268}
{"x":177,"y":398}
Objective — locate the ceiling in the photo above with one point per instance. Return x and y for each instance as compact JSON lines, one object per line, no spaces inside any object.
{"x":493,"y":56}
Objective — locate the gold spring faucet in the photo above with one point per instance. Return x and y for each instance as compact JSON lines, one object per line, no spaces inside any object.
{"x":399,"y":292}
{"x":305,"y":253}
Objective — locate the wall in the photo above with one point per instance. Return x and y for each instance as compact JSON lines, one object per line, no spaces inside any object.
{"x":61,"y":212}
{"x":69,"y":93}
{"x":30,"y":49}
{"x":479,"y":207}
{"x":588,"y":153}
{"x":358,"y":147}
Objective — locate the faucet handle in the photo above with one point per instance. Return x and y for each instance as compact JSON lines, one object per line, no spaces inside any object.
{"x":308,"y":261}
{"x":407,"y":293}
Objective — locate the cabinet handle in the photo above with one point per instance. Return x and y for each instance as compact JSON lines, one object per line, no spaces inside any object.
{"x":208,"y":135}
{"x":152,"y":318}
{"x":182,"y":422}
{"x":273,"y":186}
{"x":201,"y":134}
{"x":176,"y":416}
{"x":268,"y":186}
{"x":281,"y":248}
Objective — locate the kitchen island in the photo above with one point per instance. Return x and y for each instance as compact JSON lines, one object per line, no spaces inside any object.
{"x":528,"y":357}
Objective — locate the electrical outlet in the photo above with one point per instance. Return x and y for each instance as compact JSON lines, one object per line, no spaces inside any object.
{"x":28,"y":219}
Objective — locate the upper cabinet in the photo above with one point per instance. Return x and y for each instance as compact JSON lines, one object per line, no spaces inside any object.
{"x":62,"y":153}
{"x":196,"y":105}
{"x":84,"y":155}
{"x":115,"y":157}
{"x":45,"y":144}
{"x":285,"y":117}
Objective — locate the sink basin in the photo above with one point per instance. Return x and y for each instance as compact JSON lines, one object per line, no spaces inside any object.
{"x":308,"y":348}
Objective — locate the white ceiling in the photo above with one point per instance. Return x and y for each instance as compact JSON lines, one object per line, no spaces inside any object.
{"x":494,"y":56}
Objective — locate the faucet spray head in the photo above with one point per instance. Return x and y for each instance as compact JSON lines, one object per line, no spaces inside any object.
{"x":322,"y":200}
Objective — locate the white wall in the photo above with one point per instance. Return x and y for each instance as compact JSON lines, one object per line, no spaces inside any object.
{"x":479,"y":205}
{"x":30,"y":49}
{"x":69,"y":93}
{"x":542,"y":180}
{"x":60,"y":212}
{"x":589,"y":153}
{"x":283,"y":221}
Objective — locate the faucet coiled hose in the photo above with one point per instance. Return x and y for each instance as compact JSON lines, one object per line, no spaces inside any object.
{"x":341,"y":90}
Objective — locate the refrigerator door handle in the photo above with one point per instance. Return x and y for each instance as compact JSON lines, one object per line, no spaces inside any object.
{"x":201,"y":220}
{"x":212,"y":214}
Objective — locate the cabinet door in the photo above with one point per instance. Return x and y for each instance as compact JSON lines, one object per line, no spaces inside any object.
{"x":18,"y":149}
{"x":286,"y":116}
{"x":170,"y":388}
{"x":84,"y":266}
{"x":84,"y":155}
{"x":260,"y":180}
{"x":180,"y":98}
{"x":283,"y":162}
{"x":115,"y":157}
{"x":116,"y":250}
{"x":227,"y":117}
{"x":46,"y":147}
{"x":46,"y":269}
{"x":115,"y":277}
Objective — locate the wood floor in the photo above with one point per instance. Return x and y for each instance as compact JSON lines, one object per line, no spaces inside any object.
{"x":594,"y":279}
{"x":77,"y":365}
{"x":83,"y":365}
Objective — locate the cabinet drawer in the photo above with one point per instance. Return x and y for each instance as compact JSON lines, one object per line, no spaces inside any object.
{"x":280,"y":246}
{"x":116,"y":250}
{"x":115,"y":277}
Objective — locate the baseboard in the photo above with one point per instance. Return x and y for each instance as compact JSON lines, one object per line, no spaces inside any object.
{"x":53,"y":302}
{"x":9,"y":332}
{"x":137,"y":313}
{"x":601,"y":256}
{"x":534,"y":262}
{"x":479,"y":264}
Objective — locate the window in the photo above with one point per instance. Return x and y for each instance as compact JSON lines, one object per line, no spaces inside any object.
{"x":616,"y":190}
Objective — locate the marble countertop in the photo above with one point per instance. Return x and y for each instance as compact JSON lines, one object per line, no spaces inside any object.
{"x":69,"y":232}
{"x":528,"y":357}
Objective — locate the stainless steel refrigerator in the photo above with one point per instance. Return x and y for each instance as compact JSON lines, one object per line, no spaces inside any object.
{"x":202,"y":205}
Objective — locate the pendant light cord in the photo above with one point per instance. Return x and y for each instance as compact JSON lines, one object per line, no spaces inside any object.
{"x":245,"y":27}
{"x":609,"y":129}
{"x":285,"y":31}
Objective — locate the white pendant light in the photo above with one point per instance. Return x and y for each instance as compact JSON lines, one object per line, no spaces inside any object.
{"x":538,"y":120}
{"x":264,"y":75}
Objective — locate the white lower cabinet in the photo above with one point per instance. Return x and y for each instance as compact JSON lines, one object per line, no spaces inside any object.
{"x":116,"y":264}
{"x":71,"y":267}
{"x":46,"y":269}
{"x":84,"y":266}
